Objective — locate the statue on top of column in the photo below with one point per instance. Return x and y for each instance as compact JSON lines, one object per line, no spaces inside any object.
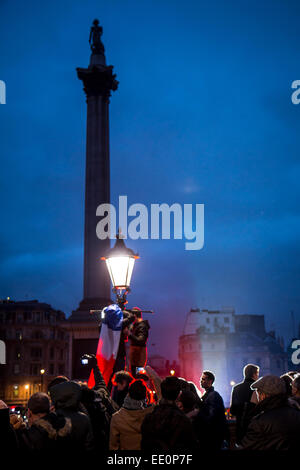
{"x":95,"y":38}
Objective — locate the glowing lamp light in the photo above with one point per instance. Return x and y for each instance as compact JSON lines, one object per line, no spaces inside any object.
{"x":26,"y":387}
{"x":172,"y":372}
{"x":42,"y":371}
{"x":120,"y":262}
{"x":232,"y":383}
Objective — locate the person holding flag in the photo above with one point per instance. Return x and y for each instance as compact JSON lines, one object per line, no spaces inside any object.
{"x":111,"y":346}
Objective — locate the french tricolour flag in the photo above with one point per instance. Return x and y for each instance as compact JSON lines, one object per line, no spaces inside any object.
{"x":108,"y":342}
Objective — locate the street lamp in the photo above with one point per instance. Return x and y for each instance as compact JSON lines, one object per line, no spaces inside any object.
{"x":42,"y":371}
{"x":120,"y":262}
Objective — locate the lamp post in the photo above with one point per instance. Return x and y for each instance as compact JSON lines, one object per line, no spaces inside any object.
{"x":120,"y":263}
{"x":42,"y":371}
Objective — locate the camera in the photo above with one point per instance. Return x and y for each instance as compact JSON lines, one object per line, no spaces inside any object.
{"x":85,"y":359}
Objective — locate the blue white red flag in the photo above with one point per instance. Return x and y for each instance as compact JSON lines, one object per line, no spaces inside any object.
{"x":108,"y":344}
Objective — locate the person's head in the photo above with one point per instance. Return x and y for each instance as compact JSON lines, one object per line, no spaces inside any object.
{"x":122,"y":379}
{"x":58,"y":380}
{"x":293,"y":373}
{"x":268,"y":386}
{"x":251,"y":371}
{"x":184,"y":385}
{"x":170,"y":388}
{"x":38,"y":406}
{"x":87,"y":395}
{"x":207,"y":379}
{"x":195,"y":391}
{"x":288,"y":383}
{"x":193,"y":388}
{"x":137,"y":314}
{"x":142,"y":376}
{"x":187,"y":401}
{"x":137,"y":390}
{"x":296,"y":385}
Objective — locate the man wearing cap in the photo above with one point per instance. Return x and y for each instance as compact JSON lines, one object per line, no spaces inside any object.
{"x":275,"y":425}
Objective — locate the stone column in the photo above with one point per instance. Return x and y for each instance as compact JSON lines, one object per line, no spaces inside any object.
{"x":98,"y":80}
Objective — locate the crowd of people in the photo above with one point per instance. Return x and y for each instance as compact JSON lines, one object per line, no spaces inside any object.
{"x":154,"y":415}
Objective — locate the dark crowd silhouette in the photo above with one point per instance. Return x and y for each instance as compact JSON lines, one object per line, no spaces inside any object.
{"x":154,"y":415}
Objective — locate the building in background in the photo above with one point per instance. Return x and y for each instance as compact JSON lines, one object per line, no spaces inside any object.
{"x":35,"y":339}
{"x":223,"y":342}
{"x":163,"y":367}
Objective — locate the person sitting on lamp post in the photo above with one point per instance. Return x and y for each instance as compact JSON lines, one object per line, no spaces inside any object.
{"x":120,"y":362}
{"x":138,"y":335}
{"x":128,"y":319}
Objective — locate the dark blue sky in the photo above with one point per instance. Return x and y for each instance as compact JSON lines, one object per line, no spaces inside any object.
{"x":203,"y":114}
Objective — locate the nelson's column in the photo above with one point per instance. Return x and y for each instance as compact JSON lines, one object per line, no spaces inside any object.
{"x":98,"y":82}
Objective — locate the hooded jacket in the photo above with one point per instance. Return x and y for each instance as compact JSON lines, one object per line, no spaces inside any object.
{"x":66,"y":397}
{"x":51,"y":432}
{"x":125,"y":426}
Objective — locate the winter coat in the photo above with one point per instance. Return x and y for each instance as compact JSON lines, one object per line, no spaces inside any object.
{"x":211,"y":419}
{"x":66,"y":397}
{"x":102,"y":392}
{"x":138,"y":351}
{"x":167,"y":429}
{"x":276,"y":426}
{"x":99,"y":406}
{"x":125,"y":426}
{"x":9,"y":442}
{"x":240,"y":397}
{"x":294,"y":402}
{"x":241,"y":394}
{"x":51,"y":432}
{"x":139,"y":333}
{"x":128,"y":318}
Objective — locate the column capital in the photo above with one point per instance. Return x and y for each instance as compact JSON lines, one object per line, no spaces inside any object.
{"x":98,"y":80}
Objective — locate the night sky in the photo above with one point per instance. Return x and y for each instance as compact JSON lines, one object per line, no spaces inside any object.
{"x":203,"y":114}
